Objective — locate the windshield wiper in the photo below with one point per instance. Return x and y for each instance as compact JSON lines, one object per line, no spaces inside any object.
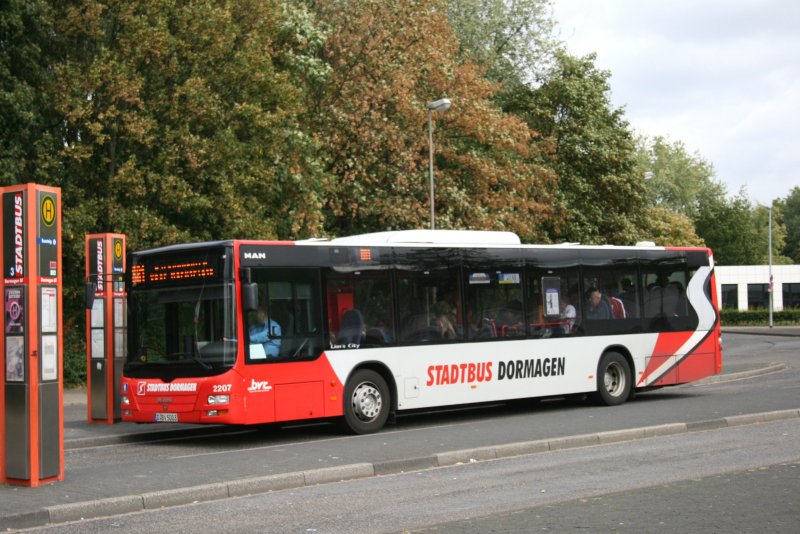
{"x":195,"y":354}
{"x":195,"y":341}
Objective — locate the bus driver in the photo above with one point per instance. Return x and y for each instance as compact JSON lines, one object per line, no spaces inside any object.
{"x":267,"y":332}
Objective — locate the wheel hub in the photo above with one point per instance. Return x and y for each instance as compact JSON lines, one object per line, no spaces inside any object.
{"x":614,"y":379}
{"x":367,"y":401}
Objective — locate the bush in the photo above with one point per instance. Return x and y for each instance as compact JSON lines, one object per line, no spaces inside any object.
{"x":74,"y":355}
{"x":759,"y":317}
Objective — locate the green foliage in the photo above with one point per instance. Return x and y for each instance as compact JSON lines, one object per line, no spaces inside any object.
{"x":26,"y":116}
{"x":738,"y":233}
{"x":178,"y":111}
{"x":74,"y":354}
{"x":684,"y":184}
{"x":728,"y":227}
{"x":759,"y":317}
{"x":602,"y":199}
{"x":790,"y":209}
{"x":761,"y":222}
{"x":512,"y":39}
{"x":370,"y":118}
{"x":677,"y":180}
{"x":670,"y":229}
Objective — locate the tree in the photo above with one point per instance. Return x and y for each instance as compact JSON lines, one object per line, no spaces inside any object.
{"x":26,"y":114}
{"x":602,"y":199}
{"x":728,"y":227}
{"x":179,"y":125}
{"x":369,"y":116}
{"x":669,"y":229}
{"x":790,"y":208}
{"x":676,"y":180}
{"x":511,"y":39}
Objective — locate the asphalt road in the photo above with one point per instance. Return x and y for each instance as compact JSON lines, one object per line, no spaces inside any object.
{"x":744,"y":479}
{"x":277,"y":449}
{"x":120,"y":469}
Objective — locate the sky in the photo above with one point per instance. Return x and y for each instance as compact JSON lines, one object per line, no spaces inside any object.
{"x":721,"y":76}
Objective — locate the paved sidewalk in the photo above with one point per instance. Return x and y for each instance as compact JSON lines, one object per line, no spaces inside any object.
{"x":791,"y":331}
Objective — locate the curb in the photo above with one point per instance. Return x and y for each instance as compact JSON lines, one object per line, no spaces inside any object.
{"x":765,"y":332}
{"x":236,"y":488}
{"x":718,"y":379}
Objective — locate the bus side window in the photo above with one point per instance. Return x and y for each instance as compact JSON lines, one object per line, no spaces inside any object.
{"x":429,"y":306}
{"x":494,"y":303}
{"x":617,"y":290}
{"x":666,"y":306}
{"x":359,"y":309}
{"x":288,"y":325}
{"x":665,"y":295}
{"x":559,"y":316}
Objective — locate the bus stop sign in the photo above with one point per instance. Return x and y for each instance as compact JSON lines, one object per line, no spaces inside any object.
{"x":31,"y":382}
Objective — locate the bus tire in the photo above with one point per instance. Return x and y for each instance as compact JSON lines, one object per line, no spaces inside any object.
{"x":367,"y":402}
{"x":613,"y":379}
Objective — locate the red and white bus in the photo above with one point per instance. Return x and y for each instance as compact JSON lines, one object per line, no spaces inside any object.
{"x":363,"y":327}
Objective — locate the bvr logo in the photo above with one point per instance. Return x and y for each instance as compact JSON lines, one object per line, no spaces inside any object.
{"x":140,"y":388}
{"x":256,"y":386}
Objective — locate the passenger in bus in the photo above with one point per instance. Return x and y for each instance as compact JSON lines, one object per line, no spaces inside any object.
{"x":480,"y":327}
{"x":445,"y":320}
{"x":568,"y":314}
{"x":597,"y":305}
{"x":617,"y":308}
{"x":267,"y":332}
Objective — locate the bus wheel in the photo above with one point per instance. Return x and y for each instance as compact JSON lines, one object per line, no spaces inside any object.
{"x":613,"y":379}
{"x":367,"y":402}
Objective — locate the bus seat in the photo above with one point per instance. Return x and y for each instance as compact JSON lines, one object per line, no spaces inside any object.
{"x":351,"y":329}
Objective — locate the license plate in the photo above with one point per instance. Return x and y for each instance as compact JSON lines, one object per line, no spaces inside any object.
{"x":166,"y":418}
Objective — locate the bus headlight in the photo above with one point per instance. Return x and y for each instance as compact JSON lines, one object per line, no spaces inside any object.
{"x":219,"y":399}
{"x":124,"y":400}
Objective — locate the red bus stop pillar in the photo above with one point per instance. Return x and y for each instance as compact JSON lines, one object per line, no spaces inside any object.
{"x":31,"y":382}
{"x":105,"y":325}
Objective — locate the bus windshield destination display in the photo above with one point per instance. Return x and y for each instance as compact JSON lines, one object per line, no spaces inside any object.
{"x":180,"y":271}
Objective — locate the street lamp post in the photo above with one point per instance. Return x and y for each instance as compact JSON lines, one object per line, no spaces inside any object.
{"x":442,"y":104}
{"x":771,"y":286}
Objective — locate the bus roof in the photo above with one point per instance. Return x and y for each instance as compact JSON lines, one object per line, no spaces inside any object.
{"x":431,"y":237}
{"x":185,"y":246}
{"x":459,"y":239}
{"x":420,"y":237}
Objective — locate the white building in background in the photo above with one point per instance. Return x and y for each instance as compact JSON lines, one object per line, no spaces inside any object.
{"x":745,"y":287}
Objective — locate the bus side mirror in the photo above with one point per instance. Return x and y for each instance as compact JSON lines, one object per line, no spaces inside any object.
{"x":250,"y":297}
{"x":89,"y":291}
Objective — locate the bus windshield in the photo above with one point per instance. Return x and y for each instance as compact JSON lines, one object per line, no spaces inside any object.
{"x":183,"y":331}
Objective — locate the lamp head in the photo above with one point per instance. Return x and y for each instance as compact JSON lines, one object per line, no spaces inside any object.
{"x":443,"y":104}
